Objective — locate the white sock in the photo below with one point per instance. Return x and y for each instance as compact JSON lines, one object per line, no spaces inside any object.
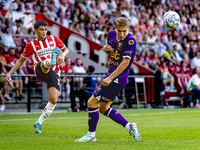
{"x":47,"y":63}
{"x":46,"y":112}
{"x":127,"y":127}
{"x":92,"y":134}
{"x":68,"y":89}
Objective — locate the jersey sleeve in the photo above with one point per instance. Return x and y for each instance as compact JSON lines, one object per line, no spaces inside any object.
{"x":59,"y":43}
{"x":108,"y":38}
{"x":27,"y":51}
{"x":130,"y":48}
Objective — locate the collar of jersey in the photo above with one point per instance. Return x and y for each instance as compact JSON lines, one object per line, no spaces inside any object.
{"x":41,"y":40}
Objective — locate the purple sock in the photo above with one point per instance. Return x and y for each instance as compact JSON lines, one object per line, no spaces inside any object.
{"x":116,"y":116}
{"x":93,"y":118}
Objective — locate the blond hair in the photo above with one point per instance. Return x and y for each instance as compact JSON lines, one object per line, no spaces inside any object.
{"x":121,"y":22}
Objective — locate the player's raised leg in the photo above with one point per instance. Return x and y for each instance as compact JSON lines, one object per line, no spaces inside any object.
{"x":93,"y":118}
{"x":105,"y":109}
{"x":53,"y":96}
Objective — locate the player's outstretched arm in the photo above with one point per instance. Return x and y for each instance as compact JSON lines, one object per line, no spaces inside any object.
{"x":107,"y":49}
{"x":14,"y":68}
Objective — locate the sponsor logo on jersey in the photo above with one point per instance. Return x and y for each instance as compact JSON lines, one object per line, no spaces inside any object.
{"x":44,"y":52}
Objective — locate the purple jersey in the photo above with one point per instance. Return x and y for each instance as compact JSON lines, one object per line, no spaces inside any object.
{"x":125,"y":48}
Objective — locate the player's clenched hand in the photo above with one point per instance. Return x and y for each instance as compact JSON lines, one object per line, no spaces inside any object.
{"x":106,"y":81}
{"x":108,"y":48}
{"x":61,"y":59}
{"x":8,"y":78}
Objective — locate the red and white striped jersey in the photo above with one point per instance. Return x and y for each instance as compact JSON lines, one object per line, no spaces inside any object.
{"x":41,"y":50}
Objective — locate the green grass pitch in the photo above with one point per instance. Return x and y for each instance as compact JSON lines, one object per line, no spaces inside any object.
{"x":161,"y":129}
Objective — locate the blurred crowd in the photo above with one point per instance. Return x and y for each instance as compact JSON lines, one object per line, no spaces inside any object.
{"x":94,"y":19}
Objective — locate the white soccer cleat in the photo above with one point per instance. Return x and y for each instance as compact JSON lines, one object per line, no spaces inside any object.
{"x":86,"y":138}
{"x":134,"y":132}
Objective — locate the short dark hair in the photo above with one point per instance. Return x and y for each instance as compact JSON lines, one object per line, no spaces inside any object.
{"x":91,"y":68}
{"x":40,"y":23}
{"x":122,"y":21}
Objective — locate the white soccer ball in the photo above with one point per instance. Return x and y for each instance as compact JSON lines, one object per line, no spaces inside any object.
{"x":171,"y":19}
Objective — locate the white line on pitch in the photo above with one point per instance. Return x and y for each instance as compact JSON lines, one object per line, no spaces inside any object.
{"x":161,"y":113}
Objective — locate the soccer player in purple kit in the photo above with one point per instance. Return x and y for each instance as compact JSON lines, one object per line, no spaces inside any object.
{"x":121,"y":48}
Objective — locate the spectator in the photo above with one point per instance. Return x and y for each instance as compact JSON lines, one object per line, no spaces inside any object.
{"x":142,"y":58}
{"x":169,"y":56}
{"x":196,"y":60}
{"x":18,"y":27}
{"x":192,"y":53}
{"x":141,"y":25}
{"x":186,"y":56}
{"x":29,"y":38}
{"x":77,"y":28}
{"x":27,"y":8}
{"x":147,"y":56}
{"x":78,"y":69}
{"x":2,"y":81}
{"x":85,"y":55}
{"x":19,"y":8}
{"x":52,"y":13}
{"x":102,"y":39}
{"x":67,"y":68}
{"x":62,"y":20}
{"x":17,"y":81}
{"x":7,"y":24}
{"x":156,"y":58}
{"x":177,"y":43}
{"x":2,"y":4}
{"x":89,"y":85}
{"x":194,"y":84}
{"x":167,"y":77}
{"x":96,"y":39}
{"x":7,"y":38}
{"x":82,"y":29}
{"x":68,"y":17}
{"x":18,"y":39}
{"x":159,"y":48}
{"x":177,"y":54}
{"x":133,"y":19}
{"x":99,"y":29}
{"x":112,"y":17}
{"x":2,"y":57}
{"x":102,"y":19}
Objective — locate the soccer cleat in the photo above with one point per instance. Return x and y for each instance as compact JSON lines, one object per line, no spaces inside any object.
{"x":134,"y":132}
{"x":54,"y":56}
{"x":37,"y":126}
{"x":86,"y":138}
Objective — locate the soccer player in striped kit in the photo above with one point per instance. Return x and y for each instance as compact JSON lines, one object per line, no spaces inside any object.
{"x":121,"y":48}
{"x":44,"y":51}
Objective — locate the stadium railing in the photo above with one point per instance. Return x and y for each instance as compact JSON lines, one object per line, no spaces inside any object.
{"x":127,"y":96}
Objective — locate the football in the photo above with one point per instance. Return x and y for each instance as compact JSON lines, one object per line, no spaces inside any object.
{"x":171,"y":19}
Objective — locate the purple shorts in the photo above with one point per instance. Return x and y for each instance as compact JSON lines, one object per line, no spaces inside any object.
{"x":108,"y":93}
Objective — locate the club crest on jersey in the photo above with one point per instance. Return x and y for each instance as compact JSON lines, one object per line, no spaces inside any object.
{"x":98,"y":89}
{"x":130,"y":42}
{"x":119,"y":45}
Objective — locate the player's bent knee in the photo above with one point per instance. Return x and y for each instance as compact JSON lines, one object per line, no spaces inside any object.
{"x":102,"y":110}
{"x":53,"y":101}
{"x":92,"y":102}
